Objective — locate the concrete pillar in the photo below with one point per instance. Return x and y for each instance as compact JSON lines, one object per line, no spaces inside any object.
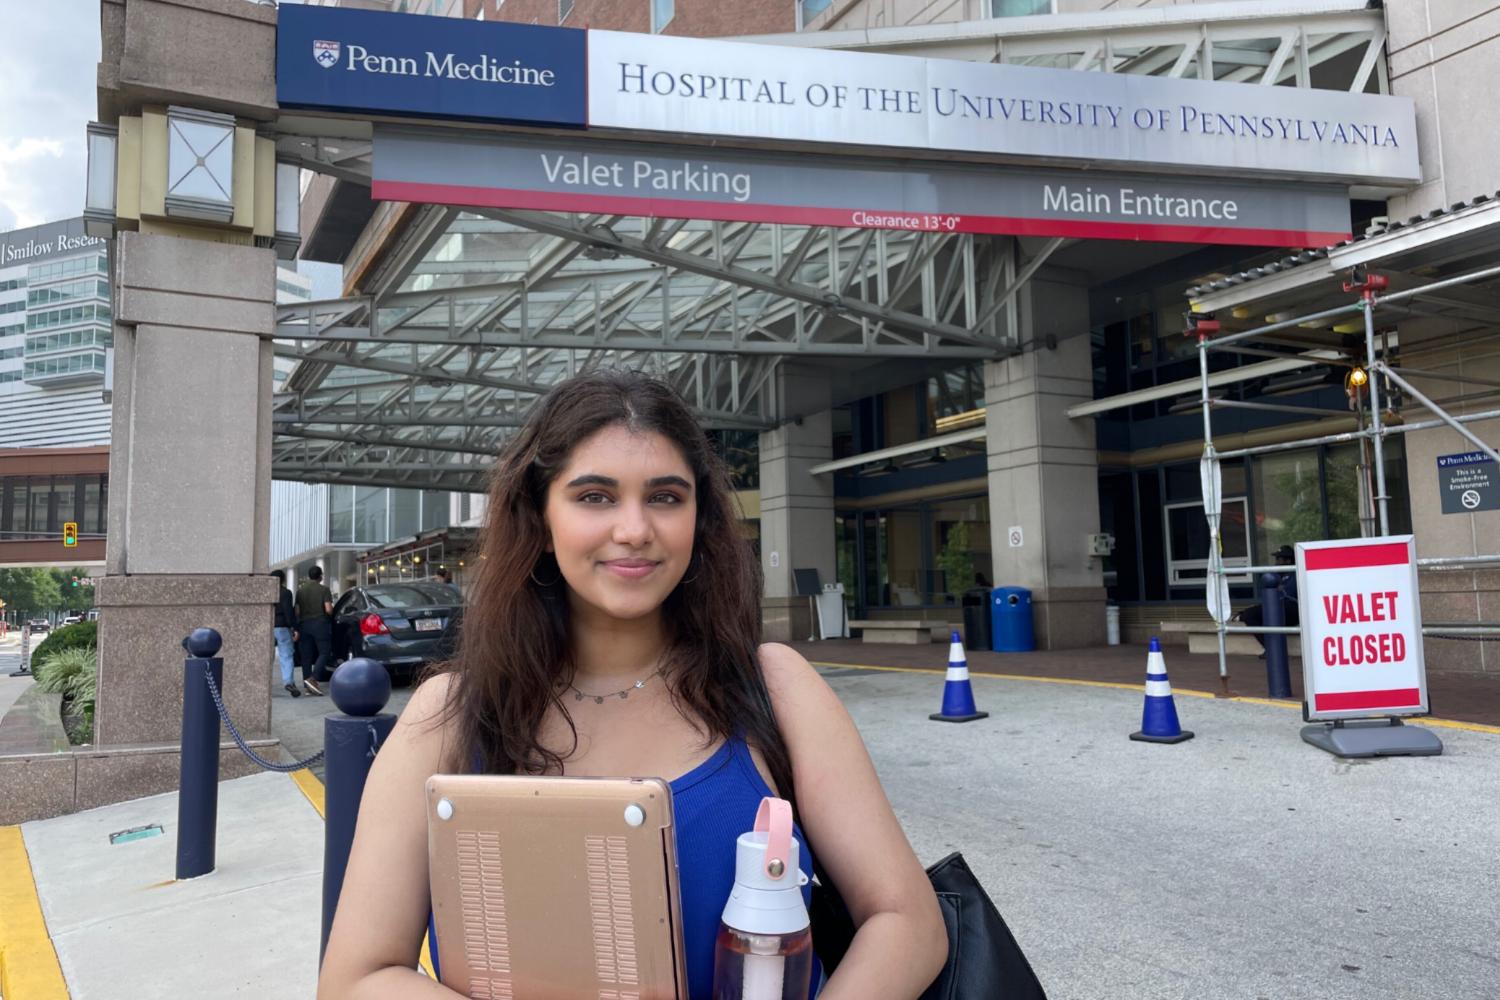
{"x":190,"y":482}
{"x":796,"y":507}
{"x":1043,"y":469}
{"x":1454,"y":595}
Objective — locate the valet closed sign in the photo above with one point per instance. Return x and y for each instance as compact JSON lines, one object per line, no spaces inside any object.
{"x":1361,"y":628}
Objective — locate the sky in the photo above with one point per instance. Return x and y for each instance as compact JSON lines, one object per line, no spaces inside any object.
{"x":50,"y":52}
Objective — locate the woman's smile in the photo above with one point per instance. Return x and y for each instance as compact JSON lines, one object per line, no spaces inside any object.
{"x":631,"y":569}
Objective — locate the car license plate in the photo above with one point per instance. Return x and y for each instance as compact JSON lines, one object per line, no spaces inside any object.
{"x":429,"y":624}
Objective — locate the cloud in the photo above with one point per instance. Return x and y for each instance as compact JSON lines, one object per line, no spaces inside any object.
{"x":50,"y":52}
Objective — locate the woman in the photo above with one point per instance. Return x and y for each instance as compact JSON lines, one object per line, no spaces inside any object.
{"x":613,"y":629}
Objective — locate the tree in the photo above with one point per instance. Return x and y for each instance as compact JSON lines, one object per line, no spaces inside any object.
{"x":27,"y":590}
{"x":79,"y":598}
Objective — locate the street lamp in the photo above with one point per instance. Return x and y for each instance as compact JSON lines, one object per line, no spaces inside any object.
{"x":99,"y":194}
{"x":200,"y":165}
{"x":288,"y":209}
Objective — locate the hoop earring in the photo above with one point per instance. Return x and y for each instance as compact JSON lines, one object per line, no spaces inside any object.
{"x":544,"y":585}
{"x":697,"y":567}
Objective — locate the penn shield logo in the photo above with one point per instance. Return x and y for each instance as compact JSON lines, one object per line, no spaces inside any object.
{"x":326,"y":54}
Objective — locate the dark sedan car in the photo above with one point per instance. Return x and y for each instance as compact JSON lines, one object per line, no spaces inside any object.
{"x":403,"y":625}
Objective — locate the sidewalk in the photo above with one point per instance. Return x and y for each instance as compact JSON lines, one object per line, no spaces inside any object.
{"x":1241,"y":864}
{"x":122,"y":927}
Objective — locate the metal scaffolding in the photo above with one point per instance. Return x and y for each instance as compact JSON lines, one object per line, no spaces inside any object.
{"x":1376,"y":368}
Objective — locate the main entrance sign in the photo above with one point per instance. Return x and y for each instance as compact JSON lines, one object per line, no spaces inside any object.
{"x":359,"y":60}
{"x":685,"y":182}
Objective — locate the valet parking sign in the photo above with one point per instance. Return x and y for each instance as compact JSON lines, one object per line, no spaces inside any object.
{"x":1361,"y":628}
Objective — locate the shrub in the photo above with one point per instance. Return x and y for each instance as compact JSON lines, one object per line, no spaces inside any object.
{"x":73,"y":673}
{"x":83,"y":635}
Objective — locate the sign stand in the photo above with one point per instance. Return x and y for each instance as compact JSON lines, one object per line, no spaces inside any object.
{"x":25,"y":670}
{"x":806,"y":583}
{"x":1363,"y":669}
{"x":1375,"y":738}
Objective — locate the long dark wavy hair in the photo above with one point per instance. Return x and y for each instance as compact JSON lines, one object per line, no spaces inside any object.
{"x":514,"y":651}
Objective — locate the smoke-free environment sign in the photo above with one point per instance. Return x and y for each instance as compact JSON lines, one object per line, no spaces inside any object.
{"x":1361,"y":628}
{"x":1468,"y":482}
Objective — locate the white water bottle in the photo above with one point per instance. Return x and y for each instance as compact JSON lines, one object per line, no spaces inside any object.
{"x":764,"y":949}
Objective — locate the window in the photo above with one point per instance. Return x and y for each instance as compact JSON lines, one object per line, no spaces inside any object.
{"x":661,"y":14}
{"x":93,"y":505}
{"x":1019,"y":8}
{"x":1288,"y":500}
{"x":564,"y":8}
{"x":434,"y":509}
{"x":341,"y":514}
{"x":955,"y":398}
{"x":369,"y":515}
{"x":406,"y":513}
{"x":960,"y":536}
{"x":809,"y":9}
{"x":1188,"y":541}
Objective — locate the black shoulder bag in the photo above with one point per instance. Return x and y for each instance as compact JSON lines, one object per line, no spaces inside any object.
{"x":984,"y":960}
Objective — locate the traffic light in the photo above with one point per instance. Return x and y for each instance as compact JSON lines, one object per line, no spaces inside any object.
{"x":70,"y":535}
{"x":75,"y":581}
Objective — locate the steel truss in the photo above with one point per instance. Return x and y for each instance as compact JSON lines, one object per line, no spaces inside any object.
{"x":469,"y":317}
{"x":449,"y":352}
{"x":1376,"y":363}
{"x":1238,"y":42}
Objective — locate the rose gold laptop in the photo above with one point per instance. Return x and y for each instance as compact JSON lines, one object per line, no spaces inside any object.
{"x":555,"y":888}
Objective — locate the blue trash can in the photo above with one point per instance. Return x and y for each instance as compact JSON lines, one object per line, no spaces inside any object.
{"x":1010,"y":620}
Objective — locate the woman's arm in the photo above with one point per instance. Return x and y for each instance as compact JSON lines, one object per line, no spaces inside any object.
{"x":383,"y":906}
{"x":901,"y":943}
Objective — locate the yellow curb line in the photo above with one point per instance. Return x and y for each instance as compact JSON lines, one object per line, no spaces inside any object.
{"x":28,"y":961}
{"x":310,"y":786}
{"x":1473,"y":727}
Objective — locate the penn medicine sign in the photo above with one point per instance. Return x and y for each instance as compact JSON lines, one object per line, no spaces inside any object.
{"x":448,"y":66}
{"x":1361,"y":628}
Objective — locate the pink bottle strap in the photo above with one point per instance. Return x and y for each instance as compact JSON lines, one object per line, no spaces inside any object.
{"x":775,"y":819}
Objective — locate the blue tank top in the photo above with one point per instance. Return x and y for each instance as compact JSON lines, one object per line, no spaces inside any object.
{"x":712,"y":805}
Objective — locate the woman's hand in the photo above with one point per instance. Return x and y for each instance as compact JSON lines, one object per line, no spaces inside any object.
{"x":901,"y":942}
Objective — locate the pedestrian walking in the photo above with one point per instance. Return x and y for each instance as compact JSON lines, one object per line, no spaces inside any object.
{"x":314,"y":611}
{"x":443,"y":576}
{"x":284,"y":628}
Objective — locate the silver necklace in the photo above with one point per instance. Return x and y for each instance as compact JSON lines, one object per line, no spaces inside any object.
{"x":622,"y":695}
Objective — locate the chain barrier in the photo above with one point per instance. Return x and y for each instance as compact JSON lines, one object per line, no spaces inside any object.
{"x":1465,"y":638}
{"x":213,"y":690}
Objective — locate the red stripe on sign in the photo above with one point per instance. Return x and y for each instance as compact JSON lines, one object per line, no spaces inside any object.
{"x":1359,"y":556}
{"x":849,"y":218}
{"x":1351,"y":701}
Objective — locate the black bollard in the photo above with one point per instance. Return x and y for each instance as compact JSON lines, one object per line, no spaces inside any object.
{"x":198,"y":788}
{"x":359,"y":688}
{"x":1278,"y":673}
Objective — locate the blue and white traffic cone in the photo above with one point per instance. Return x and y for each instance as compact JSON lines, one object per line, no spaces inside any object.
{"x":1159,"y":719}
{"x":958,"y":695}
